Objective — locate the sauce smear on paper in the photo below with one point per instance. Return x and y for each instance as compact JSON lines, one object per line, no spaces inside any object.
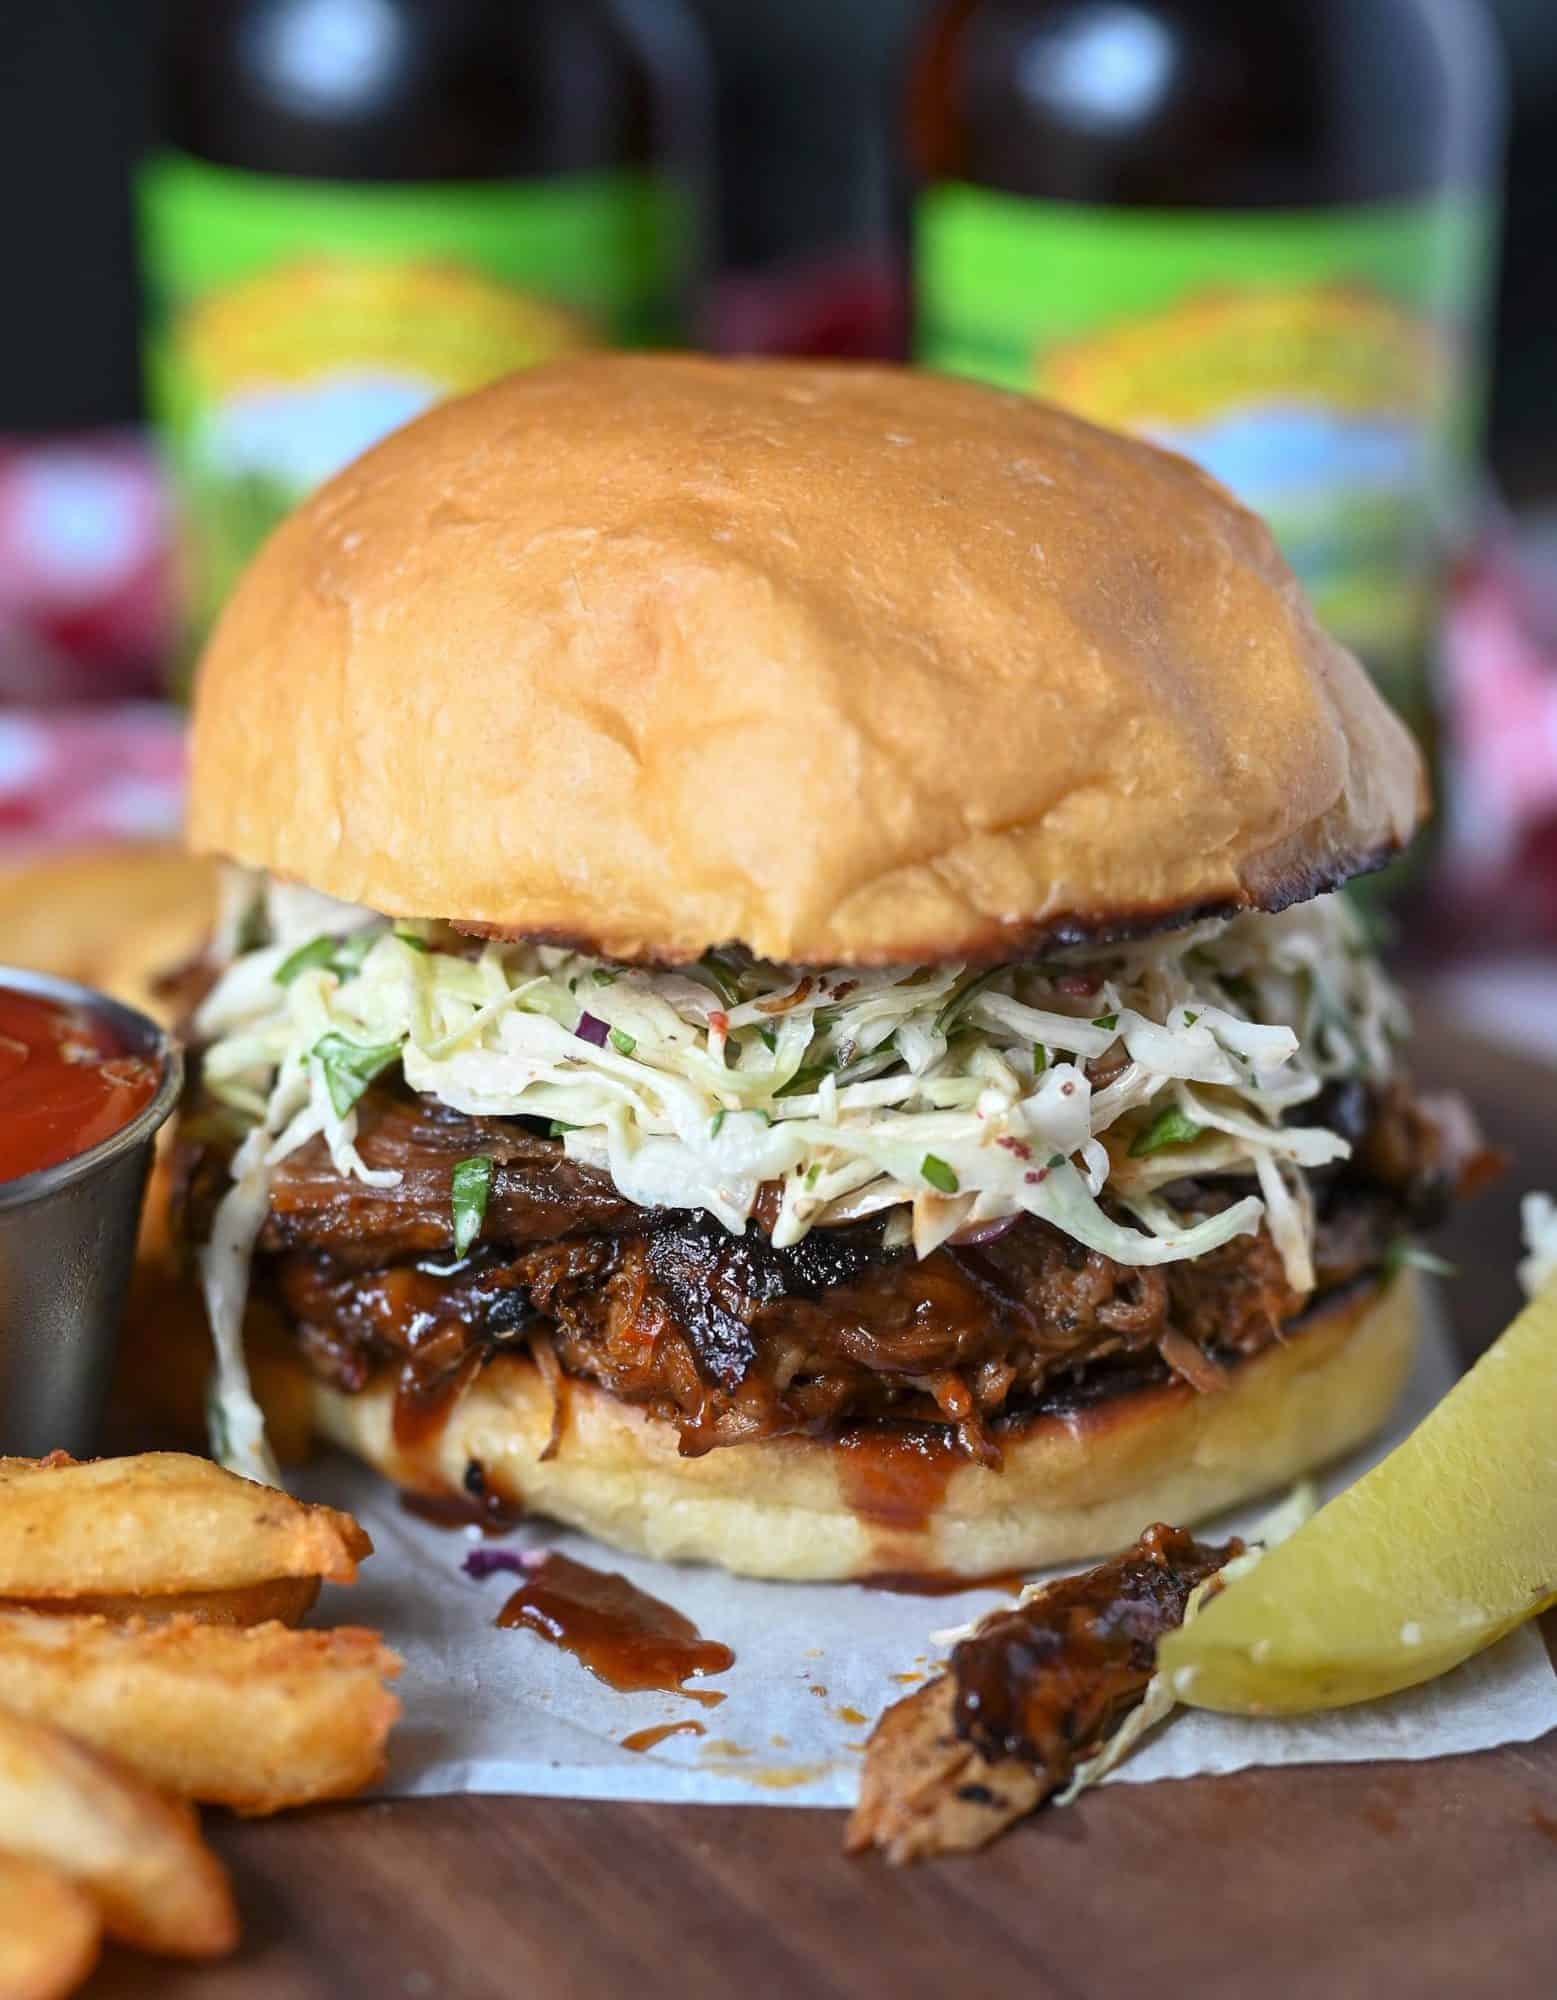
{"x":938,"y":1582}
{"x":649,"y":1739}
{"x":625,"y":1637}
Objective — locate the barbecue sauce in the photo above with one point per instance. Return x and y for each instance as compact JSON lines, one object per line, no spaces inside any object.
{"x":422,"y":1407}
{"x":1056,"y":1673}
{"x":66,"y":1082}
{"x":650,"y":1739}
{"x":895,"y":1478}
{"x":938,"y":1582}
{"x":625,"y":1637}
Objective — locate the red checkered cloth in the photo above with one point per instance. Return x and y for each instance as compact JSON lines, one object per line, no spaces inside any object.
{"x":1500,"y":653}
{"x":86,"y":559}
{"x":72,"y":775}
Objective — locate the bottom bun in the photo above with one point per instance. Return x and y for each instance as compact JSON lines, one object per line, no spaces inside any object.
{"x":877,"y":1501}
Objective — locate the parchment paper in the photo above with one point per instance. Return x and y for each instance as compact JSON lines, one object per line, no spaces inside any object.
{"x":503,"y":1711}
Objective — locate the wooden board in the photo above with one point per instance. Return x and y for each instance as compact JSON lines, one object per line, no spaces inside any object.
{"x":1412,"y":1880}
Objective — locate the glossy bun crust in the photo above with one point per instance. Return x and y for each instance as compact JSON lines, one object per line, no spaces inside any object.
{"x":845,"y":664}
{"x":1071,"y":1487}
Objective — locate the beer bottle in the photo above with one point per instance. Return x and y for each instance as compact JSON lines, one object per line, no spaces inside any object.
{"x":361,"y":206}
{"x":1260,"y":234}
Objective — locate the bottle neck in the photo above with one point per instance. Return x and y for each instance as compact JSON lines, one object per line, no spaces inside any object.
{"x":1205,"y":104}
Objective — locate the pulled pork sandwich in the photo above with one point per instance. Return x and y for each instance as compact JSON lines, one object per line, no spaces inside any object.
{"x":780,"y":1000}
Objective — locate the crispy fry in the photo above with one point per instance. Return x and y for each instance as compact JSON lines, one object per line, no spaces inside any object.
{"x":138,"y":1855}
{"x":158,"y":1525}
{"x":284,"y":1600}
{"x":255,"y":1718}
{"x":49,"y":1931}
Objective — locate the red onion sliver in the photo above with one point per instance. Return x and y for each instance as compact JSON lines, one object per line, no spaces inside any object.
{"x":591,"y":1029}
{"x":482,"y":1563}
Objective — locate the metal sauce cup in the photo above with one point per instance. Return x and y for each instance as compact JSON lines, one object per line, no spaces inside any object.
{"x":67,"y":1237}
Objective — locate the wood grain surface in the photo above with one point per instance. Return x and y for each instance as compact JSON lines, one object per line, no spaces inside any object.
{"x":1410,"y":1881}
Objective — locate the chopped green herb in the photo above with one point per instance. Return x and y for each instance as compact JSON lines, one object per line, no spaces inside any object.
{"x":812,"y":1175}
{"x":715,"y":1122}
{"x":1404,"y":1255}
{"x":961,"y":995}
{"x":728,"y":985}
{"x":326,"y":953}
{"x":769,"y":1038}
{"x":1190,"y":1018}
{"x":561,"y":1125}
{"x":349,"y":1067}
{"x":1055,"y":1160}
{"x":471,"y":1186}
{"x":804,"y":1081}
{"x":1108,"y":1021}
{"x":603,"y":978}
{"x":413,"y":942}
{"x":318,"y":955}
{"x":1169,"y":1128}
{"x":1040,"y":1058}
{"x":938,"y":1174}
{"x":622,"y":1042}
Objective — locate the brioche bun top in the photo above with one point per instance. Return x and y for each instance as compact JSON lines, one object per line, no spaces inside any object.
{"x":845,"y":664}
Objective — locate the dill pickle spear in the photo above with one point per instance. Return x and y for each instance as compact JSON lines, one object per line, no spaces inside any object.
{"x":1441,"y":1549}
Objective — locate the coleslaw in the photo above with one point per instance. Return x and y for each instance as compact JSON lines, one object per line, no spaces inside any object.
{"x":1097,"y":1088}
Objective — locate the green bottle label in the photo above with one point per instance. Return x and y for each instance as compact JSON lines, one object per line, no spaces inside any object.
{"x":1323,"y":364}
{"x":293,"y":322}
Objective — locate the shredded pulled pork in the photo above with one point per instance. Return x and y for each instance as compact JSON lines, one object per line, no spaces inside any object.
{"x":1108,"y":1118}
{"x":1026,"y":1699}
{"x":732,"y":1338}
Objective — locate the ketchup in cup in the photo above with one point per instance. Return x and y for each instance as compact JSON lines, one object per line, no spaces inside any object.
{"x":67,"y":1082}
{"x":84,"y":1085}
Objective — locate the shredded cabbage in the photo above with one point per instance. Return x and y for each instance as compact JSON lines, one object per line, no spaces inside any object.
{"x":951,"y":1097}
{"x":962,"y":1098}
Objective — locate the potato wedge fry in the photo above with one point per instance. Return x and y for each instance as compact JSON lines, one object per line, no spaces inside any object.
{"x":156,"y":1525}
{"x":284,"y":1600}
{"x":138,"y":1855}
{"x":256,"y":1717}
{"x":49,"y":1931}
{"x":110,"y":914}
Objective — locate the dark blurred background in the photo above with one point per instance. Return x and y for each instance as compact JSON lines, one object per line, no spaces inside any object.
{"x":801,"y":86}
